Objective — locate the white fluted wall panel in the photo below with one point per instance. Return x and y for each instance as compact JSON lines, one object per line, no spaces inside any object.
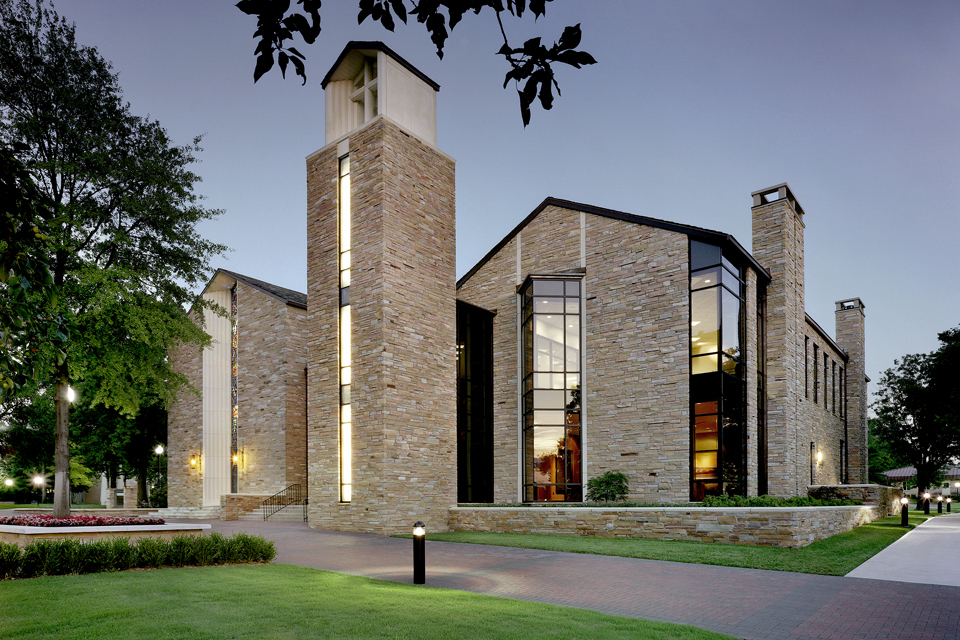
{"x":216,"y":403}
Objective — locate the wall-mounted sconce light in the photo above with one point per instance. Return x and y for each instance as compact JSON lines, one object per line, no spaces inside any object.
{"x":819,"y":457}
{"x":195,"y":460}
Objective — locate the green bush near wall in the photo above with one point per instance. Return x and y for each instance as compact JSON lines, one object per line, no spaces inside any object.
{"x":67,"y":556}
{"x":770,"y":501}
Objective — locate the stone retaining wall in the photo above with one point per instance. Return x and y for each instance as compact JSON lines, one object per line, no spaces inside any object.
{"x":886,"y":498}
{"x":791,"y":527}
{"x":234,"y":505}
{"x":24,"y":535}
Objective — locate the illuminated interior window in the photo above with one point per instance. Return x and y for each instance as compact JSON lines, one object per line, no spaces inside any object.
{"x":716,"y":374}
{"x":346,"y":415}
{"x":551,"y":386}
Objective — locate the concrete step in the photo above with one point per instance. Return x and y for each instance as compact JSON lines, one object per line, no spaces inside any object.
{"x":195,"y":513}
{"x":290,"y":514}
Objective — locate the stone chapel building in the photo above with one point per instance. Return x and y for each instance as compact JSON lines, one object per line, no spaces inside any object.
{"x":587,"y":340}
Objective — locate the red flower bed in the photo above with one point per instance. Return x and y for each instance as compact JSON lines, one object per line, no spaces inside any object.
{"x":75,"y":521}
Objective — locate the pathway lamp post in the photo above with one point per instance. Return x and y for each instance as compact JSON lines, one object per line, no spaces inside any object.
{"x":903,"y":511}
{"x":949,"y":500}
{"x":939,"y":504}
{"x":926,"y":504}
{"x":956,"y":485}
{"x":8,"y":483}
{"x":419,"y":553}
{"x":38,"y":480}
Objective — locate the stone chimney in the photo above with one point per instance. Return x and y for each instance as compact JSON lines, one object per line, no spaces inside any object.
{"x":851,"y":338}
{"x":778,"y":246}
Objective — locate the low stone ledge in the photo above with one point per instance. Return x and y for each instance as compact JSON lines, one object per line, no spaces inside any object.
{"x":791,"y":527}
{"x":22,"y":535}
{"x":234,"y":505}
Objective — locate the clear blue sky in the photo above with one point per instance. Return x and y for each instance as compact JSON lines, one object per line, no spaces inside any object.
{"x":692,"y":106}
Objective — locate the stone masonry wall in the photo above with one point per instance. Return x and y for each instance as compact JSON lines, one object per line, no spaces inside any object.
{"x":851,"y":337}
{"x":821,"y":421}
{"x":261,"y":419}
{"x":295,"y":358}
{"x":773,"y":527}
{"x":636,"y":315}
{"x":185,"y":432}
{"x":887,"y":499}
{"x":402,"y":297}
{"x":778,"y":246}
{"x":234,"y":505}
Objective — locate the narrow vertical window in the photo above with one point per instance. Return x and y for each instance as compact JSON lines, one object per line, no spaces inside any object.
{"x":806,"y":367}
{"x":551,"y":390}
{"x":717,"y":384}
{"x":346,"y":415}
{"x":825,"y":378}
{"x":843,"y":392}
{"x":816,"y":373}
{"x":234,"y":394}
{"x":833,"y":388}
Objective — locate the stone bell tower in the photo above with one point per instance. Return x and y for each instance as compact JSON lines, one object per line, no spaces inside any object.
{"x":381,"y":277}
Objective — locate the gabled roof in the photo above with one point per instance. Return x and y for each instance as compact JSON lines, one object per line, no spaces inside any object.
{"x":355,"y":45}
{"x":724,"y":240}
{"x":823,"y":334}
{"x":289,"y":296}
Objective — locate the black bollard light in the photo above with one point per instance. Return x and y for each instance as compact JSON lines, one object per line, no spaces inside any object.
{"x":419,"y":553}
{"x":949,"y":500}
{"x":926,"y":504}
{"x":904,"y":511}
{"x":939,"y":504}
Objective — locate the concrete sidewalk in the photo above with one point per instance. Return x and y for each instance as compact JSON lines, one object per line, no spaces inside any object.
{"x":743,"y":603}
{"x":930,"y":554}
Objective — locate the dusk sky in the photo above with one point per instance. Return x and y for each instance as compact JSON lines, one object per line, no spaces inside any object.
{"x":691,"y":107}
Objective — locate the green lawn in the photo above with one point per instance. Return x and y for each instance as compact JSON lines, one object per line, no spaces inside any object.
{"x":835,"y":556}
{"x":286,"y":601}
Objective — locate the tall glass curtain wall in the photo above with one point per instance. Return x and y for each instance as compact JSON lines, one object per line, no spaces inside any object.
{"x":551,"y":389}
{"x":717,"y":391}
{"x":346,"y":415}
{"x":474,"y":404}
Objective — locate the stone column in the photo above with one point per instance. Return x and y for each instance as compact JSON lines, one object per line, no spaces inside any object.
{"x":851,"y":338}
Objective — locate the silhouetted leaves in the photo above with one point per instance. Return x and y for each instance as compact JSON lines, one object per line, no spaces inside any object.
{"x":530,"y":64}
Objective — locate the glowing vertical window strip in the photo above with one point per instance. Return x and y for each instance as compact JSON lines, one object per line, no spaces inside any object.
{"x":346,"y":414}
{"x":234,"y":392}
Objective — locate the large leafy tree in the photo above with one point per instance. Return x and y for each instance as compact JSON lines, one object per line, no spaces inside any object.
{"x":918,"y":408}
{"x":530,"y":64}
{"x":124,"y":253}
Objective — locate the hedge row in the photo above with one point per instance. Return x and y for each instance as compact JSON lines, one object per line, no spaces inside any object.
{"x":770,"y":501}
{"x":67,"y":556}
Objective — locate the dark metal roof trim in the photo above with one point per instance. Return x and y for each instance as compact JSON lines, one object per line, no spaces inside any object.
{"x":289,"y":296}
{"x":823,"y":334}
{"x":354,"y":45}
{"x":725,"y":240}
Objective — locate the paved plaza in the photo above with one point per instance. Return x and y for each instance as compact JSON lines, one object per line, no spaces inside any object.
{"x":743,"y":603}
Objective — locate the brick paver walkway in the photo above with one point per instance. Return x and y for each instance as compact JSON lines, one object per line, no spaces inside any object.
{"x":744,"y":603}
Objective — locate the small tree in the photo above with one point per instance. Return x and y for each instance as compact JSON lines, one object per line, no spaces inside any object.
{"x":918,"y":409}
{"x":611,"y":486}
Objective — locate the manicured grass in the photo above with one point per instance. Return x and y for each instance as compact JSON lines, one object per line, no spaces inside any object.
{"x":835,"y":556}
{"x":286,"y":601}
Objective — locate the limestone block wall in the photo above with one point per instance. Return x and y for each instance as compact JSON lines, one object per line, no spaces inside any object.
{"x":851,"y":337}
{"x":636,"y":318}
{"x":234,"y":505}
{"x":821,"y":411}
{"x":887,"y":499}
{"x":270,"y":421}
{"x":402,"y":297}
{"x":772,"y":527}
{"x":185,"y":432}
{"x":778,"y":246}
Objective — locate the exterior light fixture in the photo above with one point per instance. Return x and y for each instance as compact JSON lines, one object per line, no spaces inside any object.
{"x":38,"y":480}
{"x":819,"y":457}
{"x":903,"y":511}
{"x":71,"y":394}
{"x":939,"y":504}
{"x":956,"y":485}
{"x":8,"y":482}
{"x":419,"y":553}
{"x":926,"y":504}
{"x":949,"y":500}
{"x":236,"y":458}
{"x":193,"y":461}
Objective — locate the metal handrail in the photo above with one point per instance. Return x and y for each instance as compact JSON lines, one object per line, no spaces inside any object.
{"x":282,"y":499}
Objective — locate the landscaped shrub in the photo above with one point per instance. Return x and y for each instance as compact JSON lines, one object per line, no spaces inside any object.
{"x":11,"y":557}
{"x":151,"y":552}
{"x":65,"y":556}
{"x":609,"y":487}
{"x":770,"y":501}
